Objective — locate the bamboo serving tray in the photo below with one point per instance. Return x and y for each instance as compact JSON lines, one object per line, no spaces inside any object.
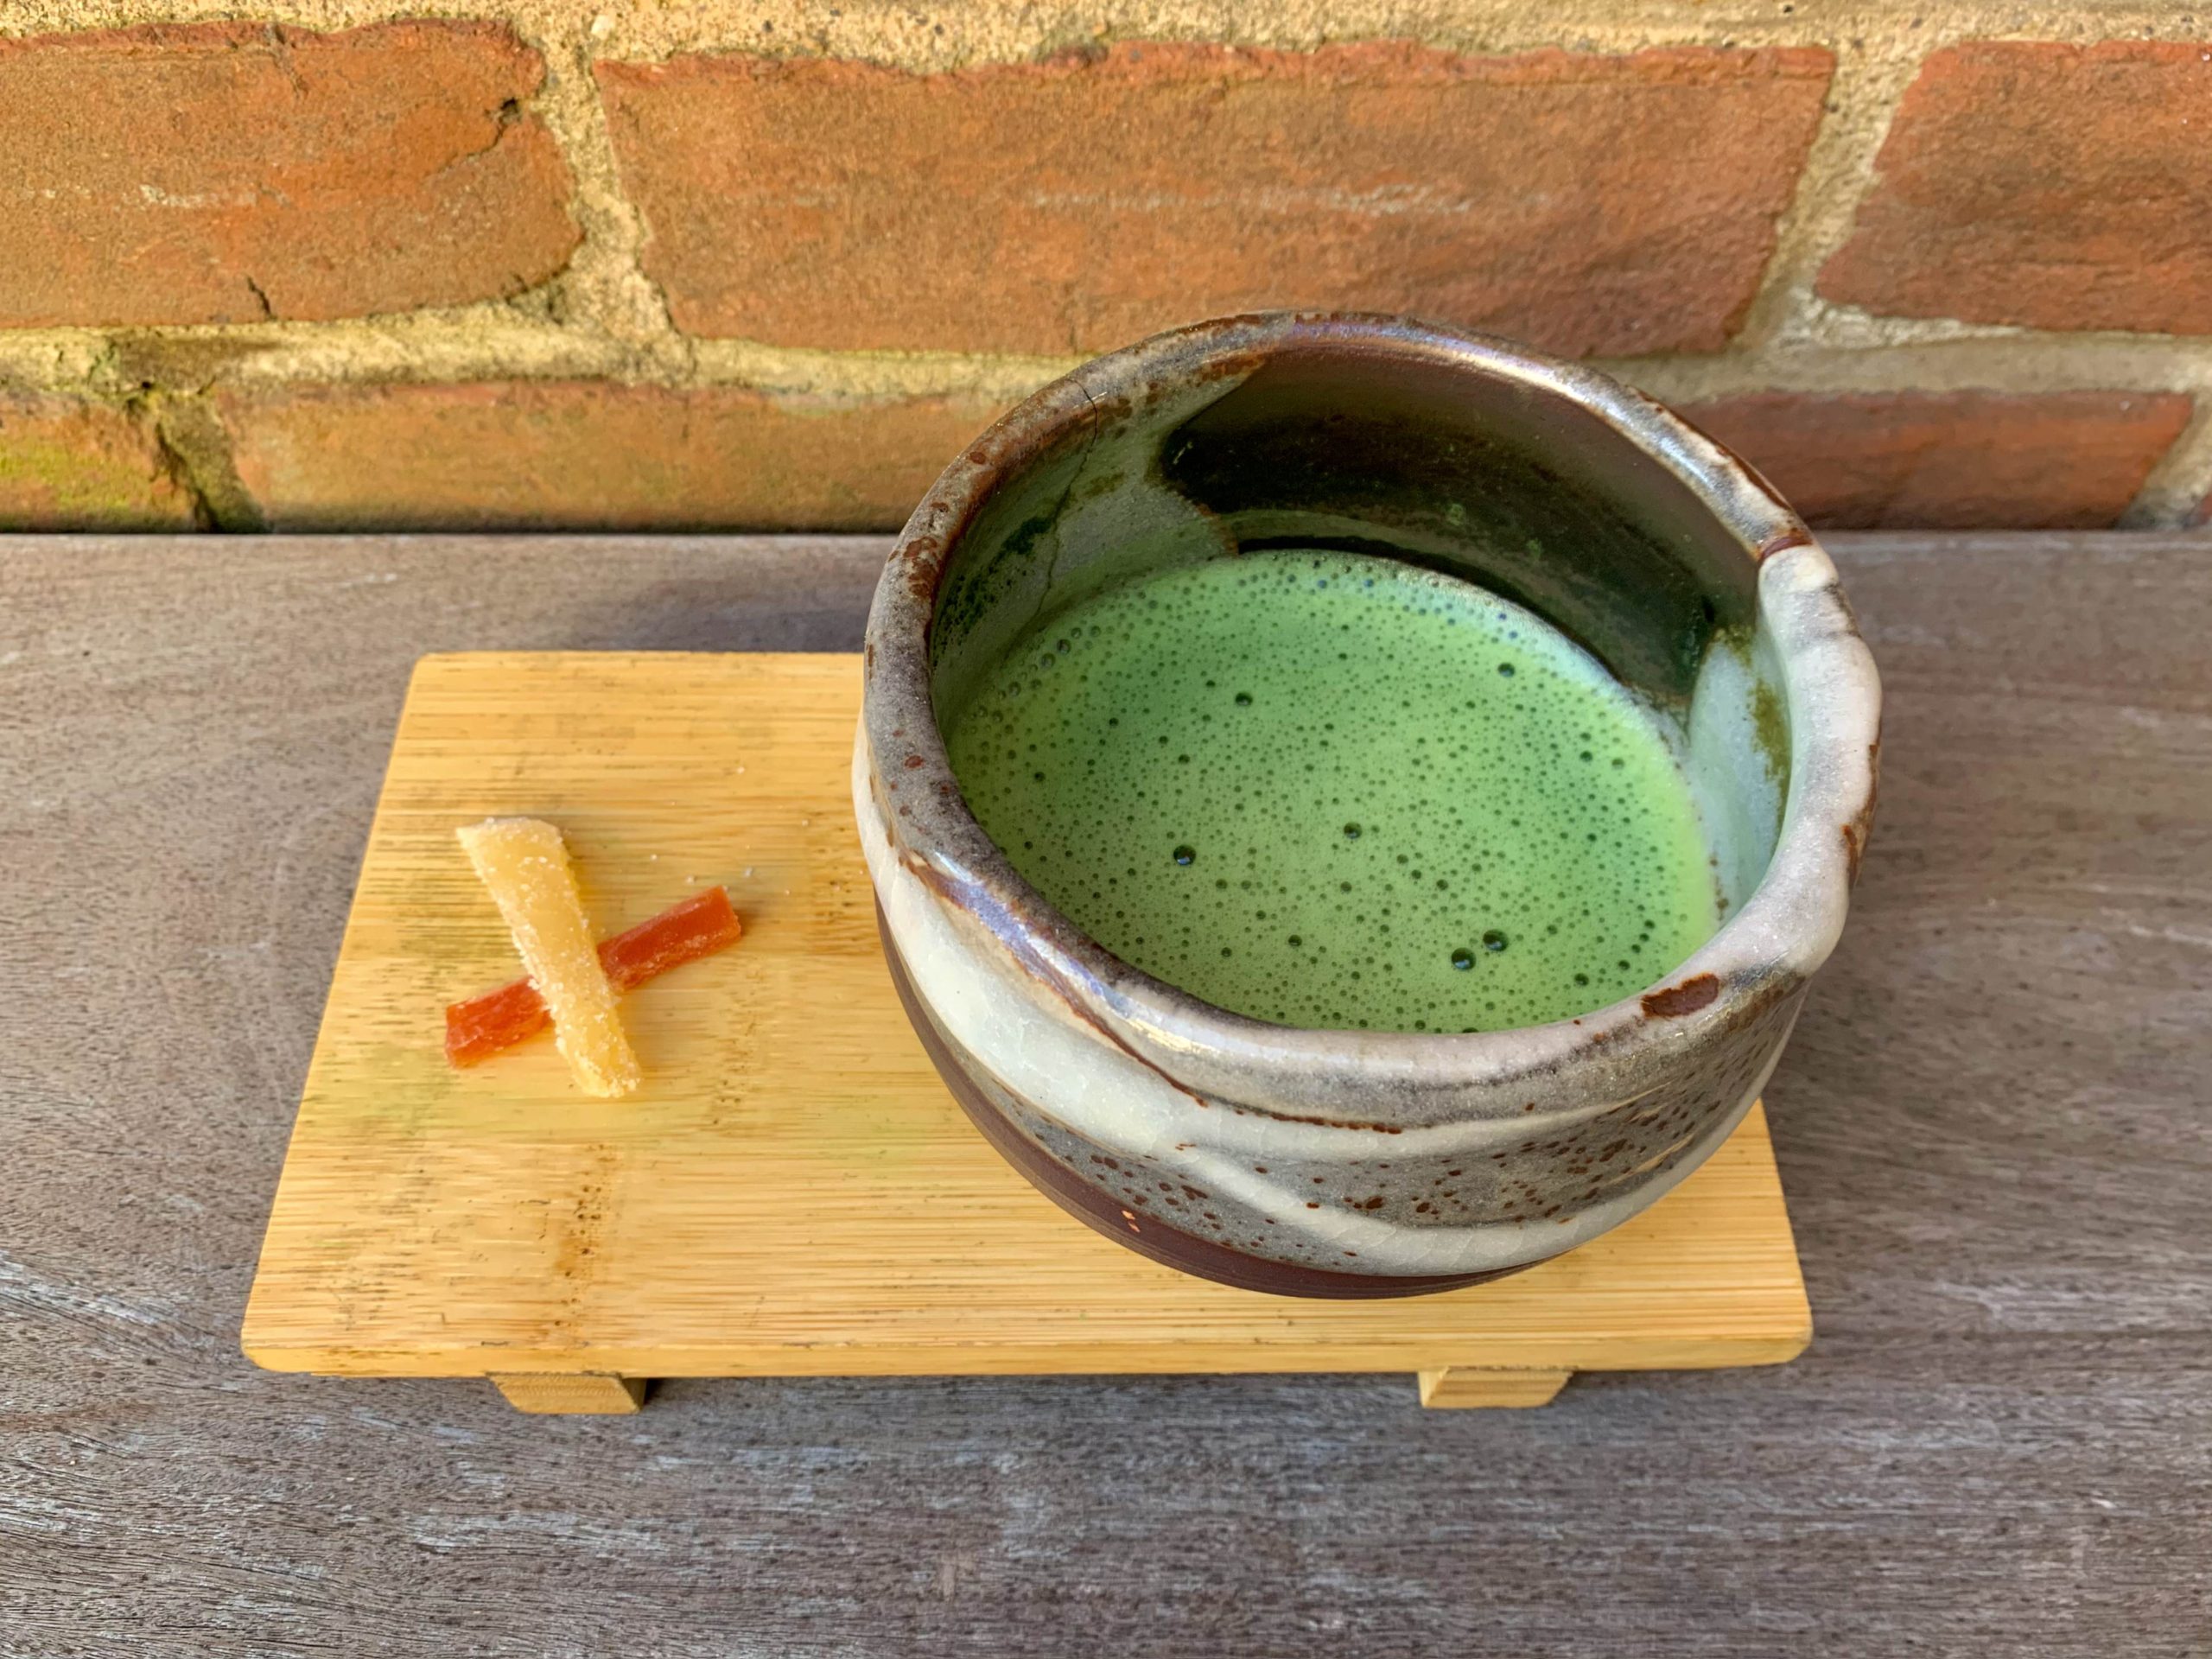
{"x":793,"y":1192}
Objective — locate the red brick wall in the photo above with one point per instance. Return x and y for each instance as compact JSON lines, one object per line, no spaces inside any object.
{"x":757,"y":266}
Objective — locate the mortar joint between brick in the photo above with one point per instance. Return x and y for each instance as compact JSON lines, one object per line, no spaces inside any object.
{"x":1862,"y":102}
{"x":1009,"y":31}
{"x":2180,"y":482}
{"x":605,"y":291}
{"x":143,"y":410}
{"x":195,"y":449}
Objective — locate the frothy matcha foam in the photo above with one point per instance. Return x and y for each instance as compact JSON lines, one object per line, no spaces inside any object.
{"x":1329,"y":790}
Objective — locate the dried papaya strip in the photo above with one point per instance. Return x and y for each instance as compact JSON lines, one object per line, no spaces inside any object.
{"x":699,"y":926}
{"x":481,"y":1026}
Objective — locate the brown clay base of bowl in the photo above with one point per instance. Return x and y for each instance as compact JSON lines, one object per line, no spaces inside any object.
{"x":1168,"y":1245}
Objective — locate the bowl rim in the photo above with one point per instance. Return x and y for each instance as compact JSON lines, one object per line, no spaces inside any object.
{"x":1761,"y":954}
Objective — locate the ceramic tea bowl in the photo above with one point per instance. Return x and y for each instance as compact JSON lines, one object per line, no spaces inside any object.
{"x":1355,"y":1163}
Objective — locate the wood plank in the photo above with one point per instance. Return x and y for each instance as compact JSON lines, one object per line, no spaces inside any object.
{"x":794,"y":1192}
{"x":1991,"y":1121}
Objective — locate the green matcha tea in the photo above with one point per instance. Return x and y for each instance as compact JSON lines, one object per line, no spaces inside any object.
{"x":1328,"y":790}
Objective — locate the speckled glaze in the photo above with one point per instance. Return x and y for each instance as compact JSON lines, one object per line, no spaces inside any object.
{"x":1336,"y":1163}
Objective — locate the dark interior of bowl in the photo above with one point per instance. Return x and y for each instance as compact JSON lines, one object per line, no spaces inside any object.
{"x":1478,"y":473}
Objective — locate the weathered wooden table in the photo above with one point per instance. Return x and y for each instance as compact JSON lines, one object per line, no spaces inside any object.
{"x":1995,"y":1125}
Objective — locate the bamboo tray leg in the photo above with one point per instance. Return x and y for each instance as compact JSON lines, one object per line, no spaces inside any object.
{"x":577,"y":1393}
{"x":600,"y":1393}
{"x":1455,"y":1387}
{"x":1488,"y":1385}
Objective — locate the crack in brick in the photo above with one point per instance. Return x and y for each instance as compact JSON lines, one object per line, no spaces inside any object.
{"x":505,"y":119}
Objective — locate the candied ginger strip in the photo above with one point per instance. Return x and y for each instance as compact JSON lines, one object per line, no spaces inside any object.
{"x":524,"y":865}
{"x":698,"y":927}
